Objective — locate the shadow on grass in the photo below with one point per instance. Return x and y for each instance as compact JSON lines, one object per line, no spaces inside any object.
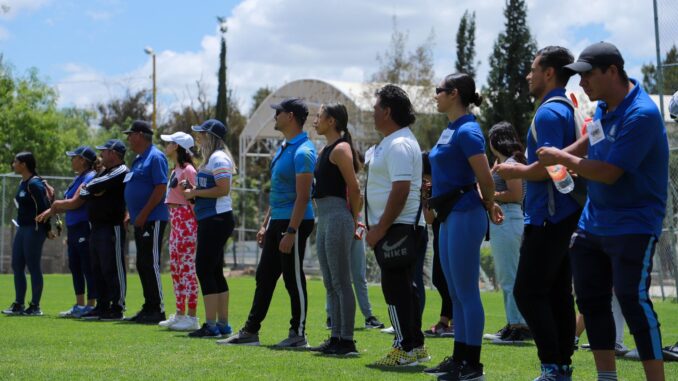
{"x":400,"y":369}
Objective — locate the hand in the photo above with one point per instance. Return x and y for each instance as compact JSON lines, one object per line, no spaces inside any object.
{"x":125,"y":221}
{"x":550,"y":156}
{"x":507,"y":171}
{"x":286,"y":243}
{"x":496,"y":214}
{"x":42,"y":217}
{"x":190,"y":193}
{"x":375,"y":235}
{"x":140,"y":220}
{"x":260,"y":236}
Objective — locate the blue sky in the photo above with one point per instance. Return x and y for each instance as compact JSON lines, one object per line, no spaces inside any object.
{"x":93,"y":50}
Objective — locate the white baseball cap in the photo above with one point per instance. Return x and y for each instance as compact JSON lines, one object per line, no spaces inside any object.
{"x":181,"y":138}
{"x":673,"y":106}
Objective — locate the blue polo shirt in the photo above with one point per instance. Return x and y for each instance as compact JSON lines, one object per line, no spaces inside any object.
{"x":450,"y":168}
{"x":635,"y":141}
{"x":294,"y":157}
{"x":79,"y":215}
{"x":148,"y":170}
{"x":555,"y":127}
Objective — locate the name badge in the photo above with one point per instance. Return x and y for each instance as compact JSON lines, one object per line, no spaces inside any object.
{"x":446,"y":137}
{"x":596,"y":133}
{"x":22,"y":194}
{"x":128,"y":177}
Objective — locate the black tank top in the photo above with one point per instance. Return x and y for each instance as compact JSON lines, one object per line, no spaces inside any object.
{"x":328,"y":178}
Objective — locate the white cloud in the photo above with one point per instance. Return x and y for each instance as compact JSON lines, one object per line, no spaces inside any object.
{"x":271,"y":42}
{"x":11,"y":8}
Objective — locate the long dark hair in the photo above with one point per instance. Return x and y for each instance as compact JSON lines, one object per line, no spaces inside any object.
{"x":466,"y":87}
{"x":504,"y":140}
{"x":183,"y":157}
{"x":27,"y":158}
{"x":340,"y":115}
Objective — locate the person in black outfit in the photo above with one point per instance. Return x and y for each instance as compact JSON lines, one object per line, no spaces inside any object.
{"x":105,"y":196}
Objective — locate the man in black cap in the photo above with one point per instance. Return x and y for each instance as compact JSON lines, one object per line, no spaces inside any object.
{"x":285,"y":229}
{"x":625,"y":160}
{"x":105,"y":199}
{"x":144,"y":194}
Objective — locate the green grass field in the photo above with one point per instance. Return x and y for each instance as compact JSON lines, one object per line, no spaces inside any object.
{"x":52,"y":348}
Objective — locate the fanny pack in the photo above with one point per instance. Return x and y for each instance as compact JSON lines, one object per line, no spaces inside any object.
{"x":442,"y":205}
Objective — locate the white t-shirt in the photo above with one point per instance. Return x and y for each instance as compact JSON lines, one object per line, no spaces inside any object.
{"x":396,"y":158}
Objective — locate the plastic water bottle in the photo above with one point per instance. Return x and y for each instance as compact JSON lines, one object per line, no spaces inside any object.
{"x":561,"y":178}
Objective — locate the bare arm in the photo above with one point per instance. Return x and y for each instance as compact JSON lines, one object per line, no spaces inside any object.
{"x":157,"y":196}
{"x":513,"y":193}
{"x":481,"y":169}
{"x":595,"y":170}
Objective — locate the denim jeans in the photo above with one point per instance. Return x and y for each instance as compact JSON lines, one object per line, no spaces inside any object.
{"x":505,"y":242}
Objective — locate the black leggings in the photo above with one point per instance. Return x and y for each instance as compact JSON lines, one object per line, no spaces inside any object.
{"x":213,"y":232}
{"x":438,"y":277}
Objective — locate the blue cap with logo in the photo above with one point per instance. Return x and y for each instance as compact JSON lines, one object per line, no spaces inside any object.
{"x":114,"y":145}
{"x":85,"y":152}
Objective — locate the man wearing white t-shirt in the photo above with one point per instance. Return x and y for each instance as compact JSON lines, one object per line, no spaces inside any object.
{"x":393,"y":197}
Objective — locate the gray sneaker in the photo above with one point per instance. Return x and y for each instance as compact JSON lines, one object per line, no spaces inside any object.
{"x":241,"y":338}
{"x":293,"y":341}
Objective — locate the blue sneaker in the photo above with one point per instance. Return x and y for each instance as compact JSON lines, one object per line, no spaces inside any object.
{"x":206,"y":332}
{"x":79,"y":311}
{"x":225,"y":329}
{"x":549,"y":372}
{"x":565,"y":373}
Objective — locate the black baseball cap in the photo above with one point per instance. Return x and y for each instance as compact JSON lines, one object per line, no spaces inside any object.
{"x":85,"y":152}
{"x":601,"y":55}
{"x":212,"y":126}
{"x":140,"y":126}
{"x":114,"y":145}
{"x":293,"y":105}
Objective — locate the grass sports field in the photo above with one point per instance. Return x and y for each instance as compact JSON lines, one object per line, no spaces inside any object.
{"x":52,"y":348}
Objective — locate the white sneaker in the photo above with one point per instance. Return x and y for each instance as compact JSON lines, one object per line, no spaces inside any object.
{"x":389,"y":330}
{"x":173,"y":319}
{"x":186,"y":323}
{"x":620,"y":349}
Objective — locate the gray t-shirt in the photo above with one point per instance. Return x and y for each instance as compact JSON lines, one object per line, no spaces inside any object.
{"x":499,"y":183}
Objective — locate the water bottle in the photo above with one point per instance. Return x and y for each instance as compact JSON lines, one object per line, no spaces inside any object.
{"x":561,"y":178}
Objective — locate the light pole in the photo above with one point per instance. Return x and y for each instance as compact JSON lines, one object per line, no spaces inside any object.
{"x":150,"y":52}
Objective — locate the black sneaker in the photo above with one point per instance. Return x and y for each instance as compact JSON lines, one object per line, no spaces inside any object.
{"x":110,"y":315}
{"x":373,"y":322}
{"x":330,"y":342}
{"x":33,"y":310}
{"x":467,"y":372}
{"x":343,"y":348}
{"x":515,"y":336}
{"x":14,"y":309}
{"x":94,"y":314}
{"x":205,"y":332}
{"x":135,"y":317}
{"x":448,"y":365}
{"x":502,"y":333}
{"x":241,"y":338}
{"x":151,"y":317}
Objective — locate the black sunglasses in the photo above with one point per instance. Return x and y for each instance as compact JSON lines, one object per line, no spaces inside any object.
{"x":443,"y":89}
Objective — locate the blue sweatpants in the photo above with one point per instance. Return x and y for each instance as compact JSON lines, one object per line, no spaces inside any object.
{"x":460,"y":237}
{"x":78,"y":259}
{"x":26,"y":252}
{"x":601,"y":263}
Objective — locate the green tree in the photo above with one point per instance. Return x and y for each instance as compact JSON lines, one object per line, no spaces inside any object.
{"x":466,"y":45}
{"x":669,"y":72}
{"x":120,"y":112}
{"x":506,"y":93}
{"x":222,"y":111}
{"x":259,"y":97}
{"x":31,"y":121}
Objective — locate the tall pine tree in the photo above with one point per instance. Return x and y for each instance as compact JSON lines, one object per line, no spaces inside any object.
{"x":506,"y":94}
{"x":222,"y":91}
{"x":466,"y":45}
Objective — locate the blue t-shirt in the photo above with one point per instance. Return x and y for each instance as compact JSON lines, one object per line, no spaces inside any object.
{"x":79,"y":215}
{"x":219,"y":166}
{"x":635,"y":141}
{"x":295,"y":157}
{"x":148,"y":170}
{"x":450,"y":168}
{"x":554,"y":122}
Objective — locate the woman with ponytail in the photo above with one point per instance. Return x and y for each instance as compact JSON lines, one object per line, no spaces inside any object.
{"x":31,"y":200}
{"x":459,"y":168}
{"x":335,"y":177}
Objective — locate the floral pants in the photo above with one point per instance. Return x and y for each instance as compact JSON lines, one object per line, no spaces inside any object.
{"x":182,"y":242}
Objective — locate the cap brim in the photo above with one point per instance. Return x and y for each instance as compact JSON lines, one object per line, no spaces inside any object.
{"x":166,"y":138}
{"x":579,"y":67}
{"x":198,"y":129}
{"x":71,"y":153}
{"x":278,"y":107}
{"x":128,"y":131}
{"x":101,"y":147}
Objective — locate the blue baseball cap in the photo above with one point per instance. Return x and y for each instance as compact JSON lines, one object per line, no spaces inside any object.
{"x":213,"y":127}
{"x":114,"y":145}
{"x":140,"y":126}
{"x":293,"y":105}
{"x":85,"y":152}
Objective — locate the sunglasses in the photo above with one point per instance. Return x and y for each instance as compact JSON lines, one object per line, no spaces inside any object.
{"x":443,"y":90}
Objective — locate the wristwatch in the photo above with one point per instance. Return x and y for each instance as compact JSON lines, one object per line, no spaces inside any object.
{"x":291,"y":230}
